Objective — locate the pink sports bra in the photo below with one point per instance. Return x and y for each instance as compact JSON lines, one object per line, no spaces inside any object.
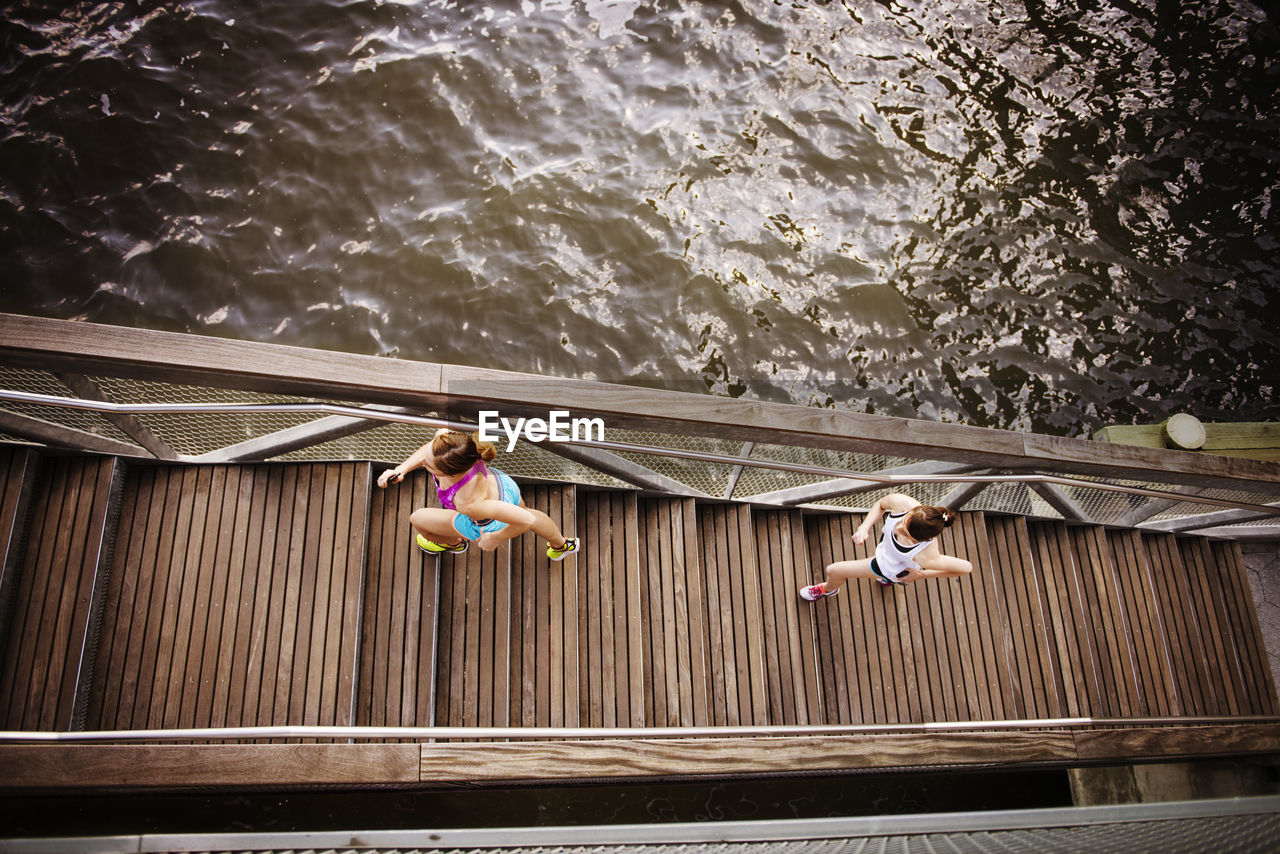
{"x":446,"y":494}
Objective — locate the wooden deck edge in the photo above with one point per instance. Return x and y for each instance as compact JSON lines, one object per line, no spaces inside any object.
{"x":169,"y":766}
{"x":633,"y":759}
{"x":89,"y":767}
{"x":1120,"y":745}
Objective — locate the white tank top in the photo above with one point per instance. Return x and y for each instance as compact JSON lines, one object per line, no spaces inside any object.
{"x":892,"y":558}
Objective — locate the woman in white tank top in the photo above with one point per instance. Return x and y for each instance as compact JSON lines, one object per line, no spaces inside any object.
{"x":907,"y":550}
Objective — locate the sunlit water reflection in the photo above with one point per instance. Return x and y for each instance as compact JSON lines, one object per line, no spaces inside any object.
{"x":1010,"y":214}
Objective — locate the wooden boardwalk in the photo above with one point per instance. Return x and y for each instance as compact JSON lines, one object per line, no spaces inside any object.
{"x":158,"y":596}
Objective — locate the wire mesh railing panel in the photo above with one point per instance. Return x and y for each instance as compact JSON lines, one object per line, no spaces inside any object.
{"x":1013,"y":498}
{"x":925,"y":493}
{"x":529,"y":460}
{"x":706,"y":477}
{"x":1188,"y":508}
{"x":724,"y":463}
{"x":197,"y":433}
{"x":43,"y":382}
{"x":763,"y":481}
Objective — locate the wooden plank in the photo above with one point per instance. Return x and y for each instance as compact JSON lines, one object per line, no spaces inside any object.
{"x":1207,"y":604}
{"x":774,"y":552}
{"x":656,"y":613}
{"x":311,"y":532}
{"x":103,"y":766}
{"x":18,"y":468}
{"x":963,"y":537}
{"x":768,"y":537}
{"x":1026,"y":625}
{"x":452,"y":642}
{"x":238,"y":571}
{"x":1186,"y":647}
{"x":749,"y":635}
{"x":199,"y":631}
{"x":986,"y":609}
{"x":85,"y":609}
{"x":47,"y":344}
{"x":282,"y":610}
{"x":658,"y":758}
{"x":716,"y":592}
{"x":567,"y":602}
{"x":800,"y":622}
{"x":319,"y":676}
{"x":590,"y":620}
{"x":259,"y":674}
{"x":817,"y":540}
{"x":865,"y":661}
{"x":966,"y":639}
{"x":1148,"y":629}
{"x":175,"y":637}
{"x":1105,"y":621}
{"x":1068,"y":639}
{"x":631,"y":697}
{"x":254,"y":587}
{"x":346,"y":592}
{"x":1008,"y":615}
{"x":126,"y":568}
{"x":1114,"y":745}
{"x":65,"y":496}
{"x":206,"y":571}
{"x":145,"y":647}
{"x":691,"y":625}
{"x":58,"y":590}
{"x":1253,"y":651}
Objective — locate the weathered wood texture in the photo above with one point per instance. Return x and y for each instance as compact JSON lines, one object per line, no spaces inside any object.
{"x":1258,"y":440}
{"x":46,"y":344}
{"x":673,"y":611}
{"x":919,"y":652}
{"x":790,"y":632}
{"x":544,"y":648}
{"x":611,"y":663}
{"x":399,"y":623}
{"x":709,"y":757}
{"x":1055,"y":621}
{"x":246,"y":595}
{"x":55,"y":593}
{"x":474,"y":647}
{"x":233,"y":598}
{"x":18,"y":468}
{"x":735,"y":618}
{"x":142,"y":767}
{"x":157,"y":766}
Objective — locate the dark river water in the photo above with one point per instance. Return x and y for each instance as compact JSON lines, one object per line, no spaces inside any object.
{"x":1014,"y":213}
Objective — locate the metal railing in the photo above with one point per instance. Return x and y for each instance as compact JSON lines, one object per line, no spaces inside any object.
{"x":1260,"y":511}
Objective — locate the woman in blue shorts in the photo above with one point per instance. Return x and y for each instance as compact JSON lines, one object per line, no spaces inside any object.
{"x":476,"y":502}
{"x":907,"y":550}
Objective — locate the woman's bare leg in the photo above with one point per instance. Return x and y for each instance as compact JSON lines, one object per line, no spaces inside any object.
{"x":544,"y":527}
{"x":842,"y":570}
{"x":436,"y":524}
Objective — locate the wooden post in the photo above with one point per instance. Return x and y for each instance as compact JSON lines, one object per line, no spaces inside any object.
{"x":1183,"y":431}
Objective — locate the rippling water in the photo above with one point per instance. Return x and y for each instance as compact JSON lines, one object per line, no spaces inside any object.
{"x":1033,"y":215}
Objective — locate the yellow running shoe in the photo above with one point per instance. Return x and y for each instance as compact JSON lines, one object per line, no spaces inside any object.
{"x":571,"y":545}
{"x":431,"y":547}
